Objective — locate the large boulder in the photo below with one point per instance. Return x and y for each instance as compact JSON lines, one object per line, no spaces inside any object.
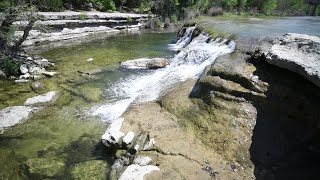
{"x":14,"y":115}
{"x":43,"y":99}
{"x":146,"y":63}
{"x":299,"y":53}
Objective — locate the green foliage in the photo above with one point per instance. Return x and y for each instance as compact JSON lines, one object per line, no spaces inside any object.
{"x":174,"y":18}
{"x":4,"y":5}
{"x":268,"y":6}
{"x":145,"y":6}
{"x":129,"y":19}
{"x":294,"y":7}
{"x":9,"y":66}
{"x":230,"y":4}
{"x":108,"y":5}
{"x":82,"y":16}
{"x":49,"y":5}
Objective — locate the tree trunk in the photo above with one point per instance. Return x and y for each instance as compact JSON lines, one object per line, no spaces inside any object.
{"x":4,"y":30}
{"x":284,"y":8}
{"x":26,"y":31}
{"x":314,"y":10}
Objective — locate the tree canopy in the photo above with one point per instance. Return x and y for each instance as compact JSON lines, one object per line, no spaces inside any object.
{"x":167,"y":8}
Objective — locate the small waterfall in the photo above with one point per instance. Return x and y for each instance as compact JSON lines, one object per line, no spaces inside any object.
{"x":148,"y":86}
{"x":184,"y":40}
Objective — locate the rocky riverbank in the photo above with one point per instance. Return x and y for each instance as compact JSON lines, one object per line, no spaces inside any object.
{"x":61,"y":29}
{"x":243,"y":119}
{"x":71,"y":26}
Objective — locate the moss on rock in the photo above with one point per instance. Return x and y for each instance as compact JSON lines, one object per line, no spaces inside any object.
{"x":46,"y":167}
{"x":95,"y":170}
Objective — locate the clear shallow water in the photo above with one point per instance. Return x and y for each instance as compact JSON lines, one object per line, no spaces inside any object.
{"x":64,"y":132}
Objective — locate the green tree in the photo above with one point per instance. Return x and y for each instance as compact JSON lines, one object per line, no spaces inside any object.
{"x":292,"y":7}
{"x":268,"y":6}
{"x":263,"y":6}
{"x":241,"y":5}
{"x":230,"y":4}
{"x":10,"y":46}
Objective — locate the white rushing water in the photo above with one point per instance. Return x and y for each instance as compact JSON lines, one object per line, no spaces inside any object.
{"x":190,"y":62}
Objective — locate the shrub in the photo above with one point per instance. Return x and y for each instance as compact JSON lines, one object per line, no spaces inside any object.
{"x":129,"y":19}
{"x":215,"y":11}
{"x":108,"y":5}
{"x":154,"y":23}
{"x":82,"y":16}
{"x":9,"y":66}
{"x":4,"y":5}
{"x":173,"y":19}
{"x":49,"y":5}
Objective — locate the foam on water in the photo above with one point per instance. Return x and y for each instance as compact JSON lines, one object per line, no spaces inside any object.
{"x":148,"y":86}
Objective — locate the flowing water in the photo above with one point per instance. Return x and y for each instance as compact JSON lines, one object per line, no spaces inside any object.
{"x":149,"y":85}
{"x":65,"y":134}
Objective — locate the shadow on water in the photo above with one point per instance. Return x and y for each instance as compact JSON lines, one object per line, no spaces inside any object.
{"x":286,"y":140}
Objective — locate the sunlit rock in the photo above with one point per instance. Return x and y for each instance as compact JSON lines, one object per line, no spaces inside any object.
{"x":113,"y":134}
{"x":14,"y":115}
{"x":146,"y":63}
{"x":137,"y":172}
{"x":43,"y":99}
{"x":299,"y":53}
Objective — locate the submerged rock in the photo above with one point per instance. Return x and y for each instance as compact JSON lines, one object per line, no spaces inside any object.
{"x":37,"y":86}
{"x":49,"y":74}
{"x":90,"y":72}
{"x":14,"y":115}
{"x":90,"y":60}
{"x":18,"y":81}
{"x":146,"y":63}
{"x":46,"y":167}
{"x":91,"y":93}
{"x":95,"y":169}
{"x":43,"y":99}
{"x":299,"y":53}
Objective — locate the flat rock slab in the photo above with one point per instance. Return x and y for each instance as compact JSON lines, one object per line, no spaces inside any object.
{"x":146,"y":63}
{"x":137,"y":172}
{"x":43,"y":99}
{"x":299,"y":53}
{"x":14,"y":115}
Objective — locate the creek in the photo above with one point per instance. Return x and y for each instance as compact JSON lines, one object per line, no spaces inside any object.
{"x":69,"y":131}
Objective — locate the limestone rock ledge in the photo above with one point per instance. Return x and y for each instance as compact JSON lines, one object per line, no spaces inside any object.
{"x":73,"y":26}
{"x":299,"y":53}
{"x":244,"y":119}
